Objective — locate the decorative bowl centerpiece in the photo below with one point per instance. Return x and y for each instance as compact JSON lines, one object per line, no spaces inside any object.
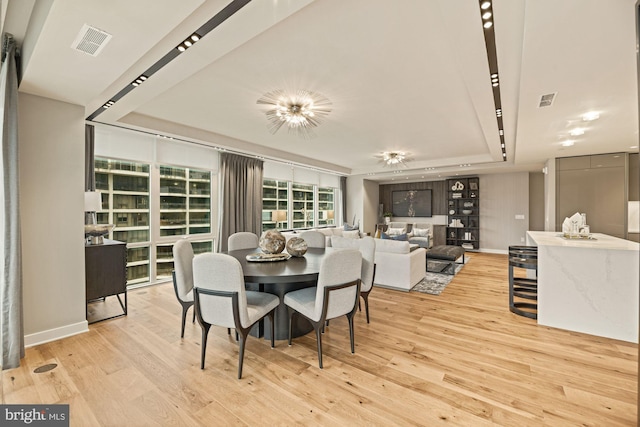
{"x":467,"y":211}
{"x":272,"y":242}
{"x":94,"y":233}
{"x":297,"y":247}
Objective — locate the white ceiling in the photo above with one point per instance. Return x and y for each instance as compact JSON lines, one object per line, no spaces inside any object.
{"x":408,"y":75}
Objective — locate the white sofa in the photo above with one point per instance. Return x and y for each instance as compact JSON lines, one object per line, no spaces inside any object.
{"x":328,"y":232}
{"x":397,"y":266}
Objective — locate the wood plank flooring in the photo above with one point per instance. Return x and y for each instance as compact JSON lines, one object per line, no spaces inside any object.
{"x":460,"y":358}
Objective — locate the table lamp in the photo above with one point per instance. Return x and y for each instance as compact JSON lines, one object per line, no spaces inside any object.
{"x":93,"y":232}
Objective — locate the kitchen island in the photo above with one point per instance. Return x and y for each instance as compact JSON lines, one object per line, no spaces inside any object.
{"x":588,"y":286}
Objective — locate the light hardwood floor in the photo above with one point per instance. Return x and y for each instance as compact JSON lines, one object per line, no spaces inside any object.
{"x":460,"y":358}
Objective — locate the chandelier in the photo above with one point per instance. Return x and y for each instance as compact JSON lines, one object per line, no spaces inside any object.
{"x":301,"y":112}
{"x":394,"y":158}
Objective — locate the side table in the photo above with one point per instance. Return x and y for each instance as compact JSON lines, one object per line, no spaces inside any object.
{"x":106,"y":274}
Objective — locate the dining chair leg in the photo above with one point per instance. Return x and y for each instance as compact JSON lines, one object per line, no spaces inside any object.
{"x":271,"y":319}
{"x":205,"y":332}
{"x":365,"y":297}
{"x":290,"y":323}
{"x":185,"y":308}
{"x":243,"y":339}
{"x":351,"y":333}
{"x":184,"y":319}
{"x":319,"y":339}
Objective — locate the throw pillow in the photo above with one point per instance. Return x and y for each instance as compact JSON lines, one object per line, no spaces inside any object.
{"x":395,"y":231}
{"x":385,"y":236}
{"x":351,"y":234}
{"x":349,"y":227}
{"x":421,"y":232}
{"x":402,"y":237}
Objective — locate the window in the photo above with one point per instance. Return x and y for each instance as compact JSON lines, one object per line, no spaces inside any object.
{"x":125,"y":202}
{"x":183,"y":209}
{"x":275,"y":196}
{"x":326,"y":206}
{"x":310,"y":205}
{"x":303,"y":202}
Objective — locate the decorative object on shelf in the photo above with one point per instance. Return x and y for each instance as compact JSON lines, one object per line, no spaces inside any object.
{"x":456,"y":223}
{"x":464,"y":212}
{"x":272,"y":242}
{"x":394,"y":158}
{"x":458,"y":186}
{"x":301,"y":112}
{"x":296,"y":246}
{"x":387,"y":217}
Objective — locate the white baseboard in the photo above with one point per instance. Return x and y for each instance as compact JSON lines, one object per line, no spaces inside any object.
{"x":494,"y":251}
{"x":55,"y":334}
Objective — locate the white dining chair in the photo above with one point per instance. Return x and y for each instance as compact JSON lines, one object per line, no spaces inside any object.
{"x":314,"y":239}
{"x":221,"y":299}
{"x":242,"y":240}
{"x":335,"y":295}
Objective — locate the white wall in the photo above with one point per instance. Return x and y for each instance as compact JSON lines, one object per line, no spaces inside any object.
{"x":370,"y":202}
{"x":502,"y":197}
{"x":550,"y":195}
{"x":51,"y":136}
{"x":355,"y":199}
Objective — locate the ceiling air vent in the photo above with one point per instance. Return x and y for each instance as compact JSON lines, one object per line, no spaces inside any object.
{"x":91,"y":40}
{"x":547,"y":100}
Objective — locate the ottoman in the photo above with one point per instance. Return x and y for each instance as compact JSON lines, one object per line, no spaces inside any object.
{"x":448,"y":253}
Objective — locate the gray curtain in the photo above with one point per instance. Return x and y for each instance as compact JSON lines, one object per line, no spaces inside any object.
{"x":241,"y":187}
{"x":343,"y":192}
{"x":89,"y":152}
{"x":11,"y":325}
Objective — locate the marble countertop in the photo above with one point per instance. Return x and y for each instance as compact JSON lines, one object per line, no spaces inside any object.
{"x":599,"y":241}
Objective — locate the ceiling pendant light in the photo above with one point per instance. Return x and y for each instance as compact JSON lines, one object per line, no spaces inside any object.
{"x":301,"y":112}
{"x":394,"y":158}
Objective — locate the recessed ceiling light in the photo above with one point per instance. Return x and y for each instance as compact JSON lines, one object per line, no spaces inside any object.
{"x":590,"y":116}
{"x":485,"y":5}
{"x":567,"y":143}
{"x":501,"y":132}
{"x":634,"y":146}
{"x":488,"y":24}
{"x":577,"y":132}
{"x":494,"y":75}
{"x":486,"y":15}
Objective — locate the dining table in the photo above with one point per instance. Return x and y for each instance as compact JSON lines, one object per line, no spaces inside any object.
{"x":278,"y":278}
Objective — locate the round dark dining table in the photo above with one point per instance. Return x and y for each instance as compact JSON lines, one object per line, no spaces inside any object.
{"x":278,"y":278}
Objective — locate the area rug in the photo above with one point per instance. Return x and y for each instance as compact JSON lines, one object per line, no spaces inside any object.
{"x":434,"y":283}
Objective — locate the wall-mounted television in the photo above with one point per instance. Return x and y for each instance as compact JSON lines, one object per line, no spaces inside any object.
{"x":411,"y":203}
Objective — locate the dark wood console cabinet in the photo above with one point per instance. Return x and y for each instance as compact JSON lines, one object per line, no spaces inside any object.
{"x":106,"y":273}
